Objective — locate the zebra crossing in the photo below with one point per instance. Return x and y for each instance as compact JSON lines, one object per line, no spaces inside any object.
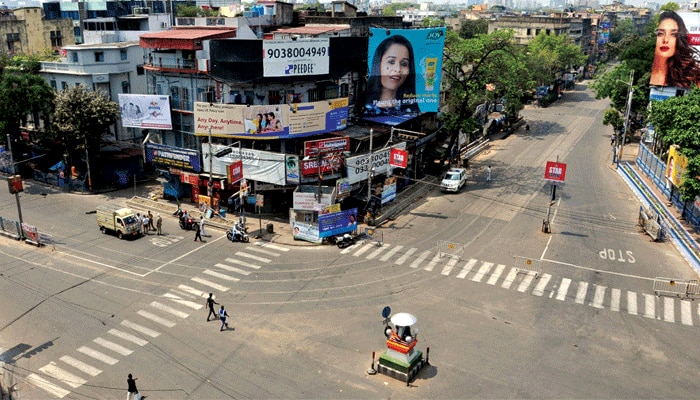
{"x":58,"y":378}
{"x":667,"y":309}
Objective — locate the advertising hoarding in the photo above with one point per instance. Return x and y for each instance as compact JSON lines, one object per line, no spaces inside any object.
{"x":274,"y":121}
{"x":298,"y":57}
{"x":175,"y":157}
{"x":405,"y":71}
{"x":145,"y":111}
{"x":358,"y":167}
{"x":676,"y":166}
{"x":676,"y":58}
{"x":258,"y":165}
{"x":337,"y":223}
{"x":312,"y":147}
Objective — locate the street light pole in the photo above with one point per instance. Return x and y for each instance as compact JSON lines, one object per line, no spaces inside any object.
{"x":630,"y":91}
{"x":14,"y":172}
{"x":210,"y":184}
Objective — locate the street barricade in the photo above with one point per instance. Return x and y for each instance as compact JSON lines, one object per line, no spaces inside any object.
{"x":451,"y":249}
{"x":375,"y":236}
{"x":649,"y":221}
{"x":528,"y":265}
{"x":678,"y":288}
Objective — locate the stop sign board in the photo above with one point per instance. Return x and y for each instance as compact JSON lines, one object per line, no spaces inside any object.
{"x":555,"y":171}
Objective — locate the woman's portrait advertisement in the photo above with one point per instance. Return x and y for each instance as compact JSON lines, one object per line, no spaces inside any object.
{"x":676,"y":58}
{"x":404,"y":73}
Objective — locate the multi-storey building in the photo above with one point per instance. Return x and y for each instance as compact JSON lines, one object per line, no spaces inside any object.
{"x":26,"y":31}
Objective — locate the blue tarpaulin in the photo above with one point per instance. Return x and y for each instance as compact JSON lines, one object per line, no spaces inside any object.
{"x":57,"y":166}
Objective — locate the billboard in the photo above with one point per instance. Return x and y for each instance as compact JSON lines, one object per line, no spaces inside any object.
{"x":676,"y":59}
{"x":274,"y":121}
{"x":174,"y":157}
{"x":676,"y":166}
{"x":405,"y":70}
{"x":258,"y":165}
{"x":295,"y":57}
{"x":145,"y":111}
{"x":337,"y":223}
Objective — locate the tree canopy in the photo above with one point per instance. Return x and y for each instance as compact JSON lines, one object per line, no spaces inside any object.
{"x":551,"y":54}
{"x":675,"y":121}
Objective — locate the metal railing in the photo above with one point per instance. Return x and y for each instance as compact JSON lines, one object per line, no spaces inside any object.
{"x":451,"y":249}
{"x":678,"y":288}
{"x":528,"y":265}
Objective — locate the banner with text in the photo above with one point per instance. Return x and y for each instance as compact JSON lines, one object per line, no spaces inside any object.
{"x":337,"y":223}
{"x":358,"y":167}
{"x":295,"y":57}
{"x":275,"y":121}
{"x":145,"y":111}
{"x":175,"y":157}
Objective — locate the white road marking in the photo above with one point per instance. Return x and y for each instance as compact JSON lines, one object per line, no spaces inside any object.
{"x":363,"y":249}
{"x":432,"y":263}
{"x":541,"y":285}
{"x":47,"y":386}
{"x":375,"y":253}
{"x":77,"y":364}
{"x":581,"y":292}
{"x":350,"y":248}
{"x":232,"y":269}
{"x":485,"y":268}
{"x":219,"y":275}
{"x":112,"y":346}
{"x":142,"y":329}
{"x":405,"y":256}
{"x":669,"y":310}
{"x":272,"y":246}
{"x":467,"y":267}
{"x":243,"y":263}
{"x":188,"y":303}
{"x":632,"y":303}
{"x":127,"y":336}
{"x":155,"y":318}
{"x":686,"y":313}
{"x":615,"y":295}
{"x":170,"y":310}
{"x":525,"y":283}
{"x":211,"y":284}
{"x":416,"y":263}
{"x":52,"y":370}
{"x":649,"y":306}
{"x":598,"y":296}
{"x":496,"y":274}
{"x":447,"y":269}
{"x":253,"y":257}
{"x":563,"y":289}
{"x":97,"y":355}
{"x":391,"y":253}
{"x":192,"y":291}
{"x":263,"y":251}
{"x":510,"y":278}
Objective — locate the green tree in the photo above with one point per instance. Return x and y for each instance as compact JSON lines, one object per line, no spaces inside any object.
{"x":613,"y":118}
{"x":472,"y":64}
{"x":190,"y":11}
{"x":472,"y":27}
{"x":675,"y":121}
{"x":550,"y":55}
{"x":390,"y":9}
{"x":670,"y":6}
{"x":22,"y":95}
{"x":81,"y":117}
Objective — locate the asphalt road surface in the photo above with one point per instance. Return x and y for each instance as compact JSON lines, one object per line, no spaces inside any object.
{"x":81,"y":313}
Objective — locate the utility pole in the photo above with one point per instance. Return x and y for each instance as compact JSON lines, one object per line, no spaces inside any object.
{"x":14,"y":172}
{"x":210,"y":184}
{"x":369,"y":166}
{"x":630,"y":91}
{"x":87,"y":161}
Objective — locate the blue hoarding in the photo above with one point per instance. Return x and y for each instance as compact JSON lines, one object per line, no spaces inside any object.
{"x":337,"y":223}
{"x":175,"y":157}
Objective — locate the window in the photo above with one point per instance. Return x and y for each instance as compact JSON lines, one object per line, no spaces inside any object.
{"x":139,"y":70}
{"x":549,"y":31}
{"x":125,"y":86}
{"x":122,"y":54}
{"x":74,"y":55}
{"x":56,"y":39}
{"x":249,"y":97}
{"x":99,"y":56}
{"x":52,"y":82}
{"x":64,"y":85}
{"x":313,"y":95}
{"x":275,"y":97}
{"x":529,"y":32}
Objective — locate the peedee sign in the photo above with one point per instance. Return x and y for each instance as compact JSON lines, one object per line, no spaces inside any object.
{"x":399,"y":158}
{"x":312,"y":147}
{"x":555,"y":171}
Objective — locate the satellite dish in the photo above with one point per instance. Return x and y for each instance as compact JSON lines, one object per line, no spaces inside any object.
{"x":386,"y":312}
{"x":403,"y":319}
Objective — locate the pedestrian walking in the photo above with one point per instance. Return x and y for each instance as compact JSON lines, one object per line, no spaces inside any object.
{"x":201,"y":225}
{"x":612,"y":139}
{"x":159,"y":224}
{"x":197,"y":232}
{"x":488,"y":174}
{"x":131,"y":391}
{"x":222,"y":316}
{"x":527,"y":129}
{"x":145,"y":221}
{"x":150,"y":222}
{"x":210,"y":304}
{"x":139,"y":220}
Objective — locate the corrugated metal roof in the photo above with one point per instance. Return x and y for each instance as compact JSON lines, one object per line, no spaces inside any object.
{"x":313,"y":29}
{"x":189,"y":33}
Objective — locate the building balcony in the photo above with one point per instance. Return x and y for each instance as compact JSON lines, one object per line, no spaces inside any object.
{"x":177,"y":65}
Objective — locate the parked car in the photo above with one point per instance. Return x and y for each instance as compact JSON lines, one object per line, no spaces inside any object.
{"x":454,"y":180}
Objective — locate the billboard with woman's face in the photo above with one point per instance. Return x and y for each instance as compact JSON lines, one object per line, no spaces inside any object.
{"x":405,"y":71}
{"x":676,"y":58}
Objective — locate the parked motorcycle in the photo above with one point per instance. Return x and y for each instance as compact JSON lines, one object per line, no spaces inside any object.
{"x":187,"y":222}
{"x":345,"y":240}
{"x":237,"y":234}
